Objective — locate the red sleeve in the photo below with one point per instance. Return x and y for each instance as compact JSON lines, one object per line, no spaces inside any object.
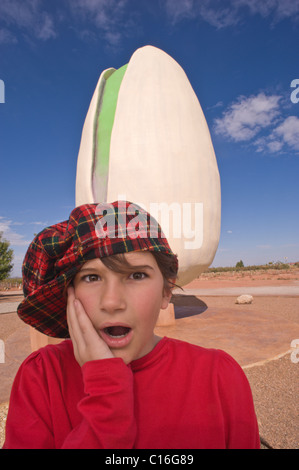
{"x":106,"y":408}
{"x":239,"y":416}
{"x":28,"y":422}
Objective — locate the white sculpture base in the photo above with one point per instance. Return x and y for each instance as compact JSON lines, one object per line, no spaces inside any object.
{"x":39,"y":340}
{"x":166,"y":316}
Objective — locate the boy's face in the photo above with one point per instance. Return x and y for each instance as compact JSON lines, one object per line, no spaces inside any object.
{"x":123,"y":308}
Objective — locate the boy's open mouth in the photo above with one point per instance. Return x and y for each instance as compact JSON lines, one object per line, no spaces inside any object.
{"x":117,"y":331}
{"x":116,"y":336}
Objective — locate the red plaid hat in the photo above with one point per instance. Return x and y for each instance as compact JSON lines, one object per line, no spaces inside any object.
{"x":58,"y":252}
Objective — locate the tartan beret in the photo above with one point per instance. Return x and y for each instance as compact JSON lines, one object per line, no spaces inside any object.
{"x":57,"y":253}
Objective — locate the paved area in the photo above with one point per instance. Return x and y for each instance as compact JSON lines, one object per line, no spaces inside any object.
{"x":8,"y":307}
{"x":258,"y":336}
{"x":242,"y":331}
{"x":292,"y":291}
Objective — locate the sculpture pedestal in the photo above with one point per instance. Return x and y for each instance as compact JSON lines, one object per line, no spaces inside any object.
{"x":166,"y":316}
{"x":39,"y":340}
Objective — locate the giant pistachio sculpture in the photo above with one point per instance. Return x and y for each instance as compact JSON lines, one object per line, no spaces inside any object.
{"x":145,"y":139}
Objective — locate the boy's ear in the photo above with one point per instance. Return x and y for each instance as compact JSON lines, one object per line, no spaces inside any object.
{"x":167,"y":293}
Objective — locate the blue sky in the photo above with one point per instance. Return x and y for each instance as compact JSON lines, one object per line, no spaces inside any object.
{"x":241,"y":57}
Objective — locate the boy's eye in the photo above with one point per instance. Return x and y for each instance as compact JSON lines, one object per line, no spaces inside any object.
{"x":138,"y":276}
{"x":91,"y":278}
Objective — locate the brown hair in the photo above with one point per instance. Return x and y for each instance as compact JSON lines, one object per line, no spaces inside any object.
{"x":166,"y":264}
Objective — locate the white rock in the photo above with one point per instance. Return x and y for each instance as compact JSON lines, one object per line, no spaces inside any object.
{"x":244,"y":299}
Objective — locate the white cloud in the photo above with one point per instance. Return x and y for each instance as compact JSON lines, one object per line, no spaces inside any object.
{"x":46,"y":29}
{"x":288,"y":131}
{"x":221,"y":14}
{"x":211,"y":11}
{"x":218,"y":16}
{"x":6,"y":37}
{"x":113,"y":19}
{"x":177,"y":10}
{"x":279,"y":9}
{"x":260,"y":120}
{"x":274,"y":145}
{"x":14,"y":238}
{"x":28,"y":16}
{"x":247,"y":116}
{"x":110,"y":18}
{"x":86,"y":17}
{"x":44,"y":224}
{"x":284,"y":136}
{"x":219,"y":104}
{"x":102,"y":13}
{"x":19,"y":241}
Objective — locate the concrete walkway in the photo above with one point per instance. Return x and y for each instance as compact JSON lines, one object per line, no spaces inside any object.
{"x":8,"y":307}
{"x":292,"y":291}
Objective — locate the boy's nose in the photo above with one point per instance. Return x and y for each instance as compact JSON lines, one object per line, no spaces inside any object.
{"x":113,"y":299}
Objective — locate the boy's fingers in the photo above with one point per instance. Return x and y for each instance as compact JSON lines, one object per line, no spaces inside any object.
{"x":87,"y":344}
{"x":87,"y":330}
{"x":72,"y":320}
{"x":70,"y":305}
{"x":80,"y":324}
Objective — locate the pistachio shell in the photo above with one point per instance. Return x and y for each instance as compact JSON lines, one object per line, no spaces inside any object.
{"x":161,"y":156}
{"x":88,"y":144}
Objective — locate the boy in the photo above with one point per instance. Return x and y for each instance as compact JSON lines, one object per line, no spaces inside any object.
{"x":114,"y":383}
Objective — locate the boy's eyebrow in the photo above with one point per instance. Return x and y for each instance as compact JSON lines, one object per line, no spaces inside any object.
{"x":144,"y":266}
{"x":88,"y":269}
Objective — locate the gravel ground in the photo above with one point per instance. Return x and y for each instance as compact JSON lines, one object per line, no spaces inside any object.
{"x":3,"y":413}
{"x":274,"y":387}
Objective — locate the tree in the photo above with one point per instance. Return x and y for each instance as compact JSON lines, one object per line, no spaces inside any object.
{"x":240,"y":264}
{"x":6,"y":256}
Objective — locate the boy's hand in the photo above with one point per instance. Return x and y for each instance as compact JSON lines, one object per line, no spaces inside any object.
{"x":88,"y":345}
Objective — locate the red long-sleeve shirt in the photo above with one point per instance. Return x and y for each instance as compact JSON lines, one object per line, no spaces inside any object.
{"x":178,"y":396}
